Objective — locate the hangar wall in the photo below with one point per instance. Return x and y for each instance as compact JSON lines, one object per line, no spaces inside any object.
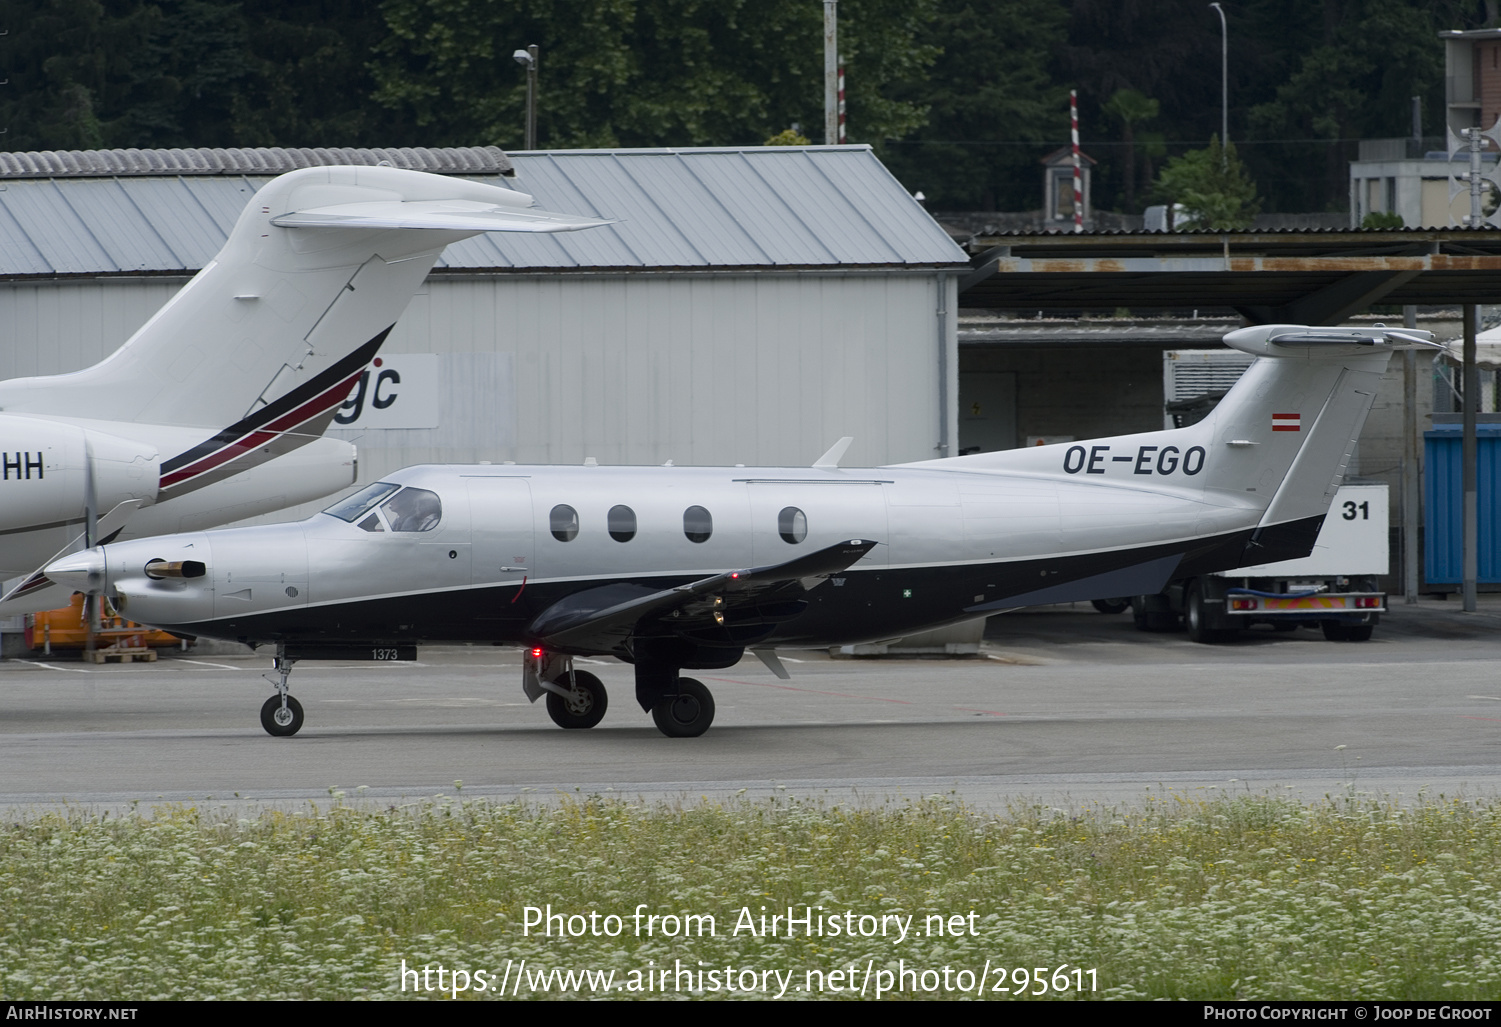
{"x":1083,"y":391}
{"x":767,"y":368}
{"x":54,"y":326}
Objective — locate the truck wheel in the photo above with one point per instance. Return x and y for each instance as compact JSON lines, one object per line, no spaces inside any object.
{"x":1148,"y":619}
{"x":1196,"y":618}
{"x":1120,"y":605}
{"x":1334,"y":631}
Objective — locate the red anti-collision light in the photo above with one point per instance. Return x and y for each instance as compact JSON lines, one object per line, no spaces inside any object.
{"x":536,"y":654}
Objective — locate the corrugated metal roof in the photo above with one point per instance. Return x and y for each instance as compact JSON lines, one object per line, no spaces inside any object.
{"x":771,"y":207}
{"x":265,"y":160}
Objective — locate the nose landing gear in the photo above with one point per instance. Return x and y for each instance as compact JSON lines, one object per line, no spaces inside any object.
{"x":281,"y":715}
{"x":281,"y":720}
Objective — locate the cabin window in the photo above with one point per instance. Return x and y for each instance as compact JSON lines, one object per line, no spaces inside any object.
{"x":361,"y":502}
{"x":622,"y":523}
{"x":792,"y":525}
{"x":413,"y":510}
{"x":564,"y":521}
{"x":698,"y":524}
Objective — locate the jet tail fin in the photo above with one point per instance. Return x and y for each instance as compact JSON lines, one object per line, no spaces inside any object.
{"x":319,"y":266}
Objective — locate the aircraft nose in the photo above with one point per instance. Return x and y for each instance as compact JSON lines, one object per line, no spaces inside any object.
{"x":80,"y":572}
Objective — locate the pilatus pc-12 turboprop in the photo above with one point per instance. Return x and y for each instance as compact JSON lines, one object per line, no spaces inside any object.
{"x":215,"y":409}
{"x":681,"y":568}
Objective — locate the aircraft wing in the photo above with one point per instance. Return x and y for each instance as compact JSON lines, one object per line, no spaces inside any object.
{"x":735,"y":607}
{"x":452,"y":215}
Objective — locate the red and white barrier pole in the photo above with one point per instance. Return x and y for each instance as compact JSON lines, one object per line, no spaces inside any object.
{"x":1073,"y":114}
{"x":841,"y":102}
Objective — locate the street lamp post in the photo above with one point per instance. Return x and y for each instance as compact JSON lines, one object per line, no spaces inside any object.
{"x":528,"y":59}
{"x":1224,"y":83}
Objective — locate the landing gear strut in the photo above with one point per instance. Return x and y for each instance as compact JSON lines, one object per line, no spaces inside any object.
{"x":576,"y":699}
{"x":681,"y":707}
{"x":281,"y":715}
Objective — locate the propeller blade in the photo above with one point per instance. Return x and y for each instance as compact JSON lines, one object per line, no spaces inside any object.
{"x":33,"y":593}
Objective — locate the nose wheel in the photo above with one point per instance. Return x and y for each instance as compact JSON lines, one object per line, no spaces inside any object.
{"x":281,"y":715}
{"x":281,"y":720}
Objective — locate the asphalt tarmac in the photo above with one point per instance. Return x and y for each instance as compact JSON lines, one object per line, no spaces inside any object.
{"x":1064,"y":706}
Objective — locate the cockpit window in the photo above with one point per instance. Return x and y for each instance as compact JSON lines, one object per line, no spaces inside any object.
{"x":414,"y":510}
{"x":351,"y":508}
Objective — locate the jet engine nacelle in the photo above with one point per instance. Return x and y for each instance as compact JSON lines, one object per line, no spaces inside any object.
{"x":46,"y":471}
{"x":309,"y":472}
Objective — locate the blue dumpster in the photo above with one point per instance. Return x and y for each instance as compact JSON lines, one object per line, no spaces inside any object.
{"x":1443,"y":499}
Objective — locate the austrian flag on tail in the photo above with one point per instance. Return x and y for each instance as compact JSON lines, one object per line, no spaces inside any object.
{"x":1286,"y":422}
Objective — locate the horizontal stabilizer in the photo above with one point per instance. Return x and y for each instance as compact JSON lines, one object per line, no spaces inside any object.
{"x":603,"y":618}
{"x":449,"y":215}
{"x":1279,"y":340}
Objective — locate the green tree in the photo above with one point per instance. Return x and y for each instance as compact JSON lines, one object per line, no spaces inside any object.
{"x":645,"y":72}
{"x":1212,"y":186}
{"x":788,"y":137}
{"x":310,"y":82}
{"x":1352,"y":79}
{"x":1131,"y":109}
{"x":154,"y":73}
{"x":993,"y":105}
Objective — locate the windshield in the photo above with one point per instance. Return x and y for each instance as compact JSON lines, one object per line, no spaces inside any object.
{"x":414,"y":510}
{"x":351,"y":508}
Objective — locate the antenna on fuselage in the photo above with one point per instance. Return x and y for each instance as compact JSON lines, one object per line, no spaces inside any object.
{"x":830,"y":460}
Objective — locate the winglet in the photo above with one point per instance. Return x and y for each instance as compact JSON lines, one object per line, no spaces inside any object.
{"x":830,"y":460}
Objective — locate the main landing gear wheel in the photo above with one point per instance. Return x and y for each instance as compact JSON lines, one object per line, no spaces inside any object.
{"x":1120,"y":605}
{"x":687,"y":714}
{"x":584,"y":707}
{"x":281,"y":721}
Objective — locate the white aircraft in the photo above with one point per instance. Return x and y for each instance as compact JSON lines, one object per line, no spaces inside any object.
{"x":674,"y":568}
{"x":215,"y":409}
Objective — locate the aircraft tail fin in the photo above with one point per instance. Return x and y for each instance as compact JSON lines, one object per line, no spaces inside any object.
{"x":1271,"y":453}
{"x":316,"y":271}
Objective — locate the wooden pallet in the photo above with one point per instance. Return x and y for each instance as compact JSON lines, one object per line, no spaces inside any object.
{"x":120,"y":654}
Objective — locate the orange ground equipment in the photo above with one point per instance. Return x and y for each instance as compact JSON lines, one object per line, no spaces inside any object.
{"x":116,"y":639}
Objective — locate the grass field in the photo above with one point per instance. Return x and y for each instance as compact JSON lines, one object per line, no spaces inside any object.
{"x":1237,"y":898}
